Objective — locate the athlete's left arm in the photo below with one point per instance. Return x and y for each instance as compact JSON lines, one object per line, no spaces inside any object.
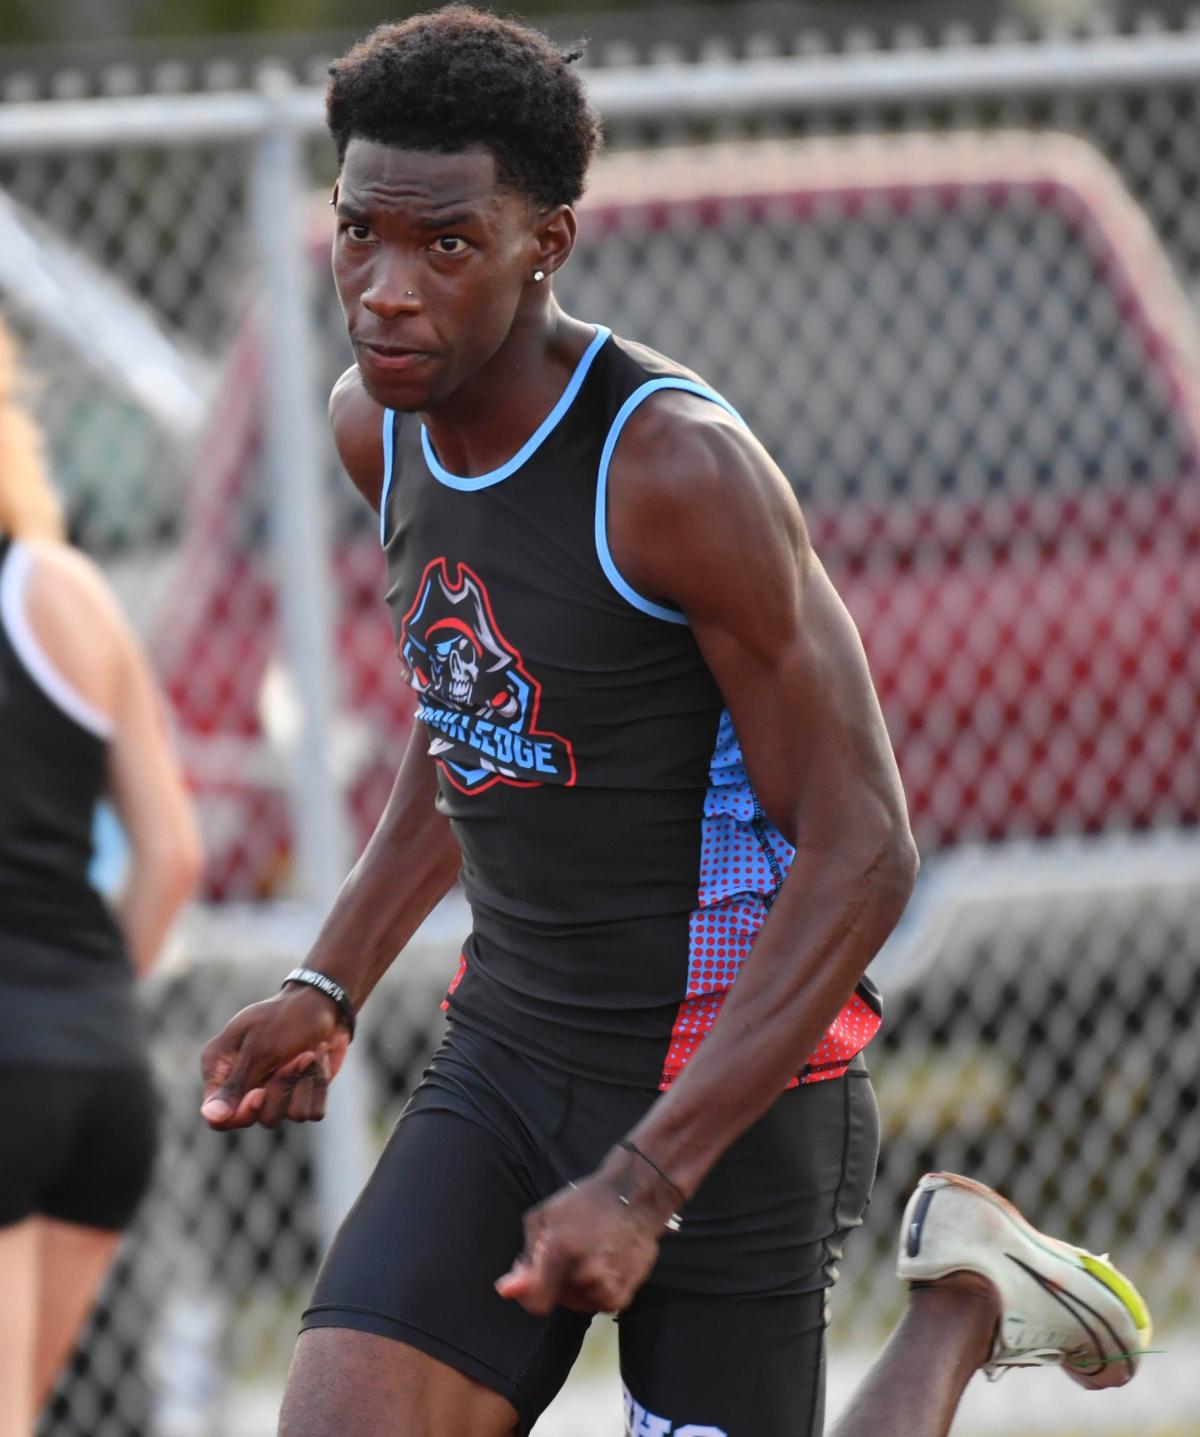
{"x":703,"y":519}
{"x":700,"y":518}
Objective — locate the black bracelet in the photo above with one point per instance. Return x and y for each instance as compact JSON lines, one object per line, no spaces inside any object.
{"x":336,"y":994}
{"x":637,"y":1152}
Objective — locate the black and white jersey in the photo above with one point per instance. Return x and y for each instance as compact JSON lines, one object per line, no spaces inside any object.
{"x":64,"y":974}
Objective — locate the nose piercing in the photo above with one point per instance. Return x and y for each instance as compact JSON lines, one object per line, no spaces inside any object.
{"x":408,"y":294}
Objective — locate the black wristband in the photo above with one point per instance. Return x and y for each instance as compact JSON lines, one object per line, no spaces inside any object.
{"x":336,"y":994}
{"x":637,"y":1152}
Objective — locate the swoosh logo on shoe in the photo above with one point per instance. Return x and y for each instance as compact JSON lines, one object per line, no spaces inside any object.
{"x":1070,"y":1302}
{"x":917,"y":1226}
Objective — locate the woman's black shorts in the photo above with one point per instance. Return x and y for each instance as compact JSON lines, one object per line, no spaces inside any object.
{"x":726,"y":1338}
{"x":76,"y":1144}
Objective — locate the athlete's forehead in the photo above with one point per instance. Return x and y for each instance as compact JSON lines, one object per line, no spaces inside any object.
{"x":421,"y":185}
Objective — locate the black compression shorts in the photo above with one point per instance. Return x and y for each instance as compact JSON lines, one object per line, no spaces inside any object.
{"x":76,"y":1144}
{"x":726,"y":1338}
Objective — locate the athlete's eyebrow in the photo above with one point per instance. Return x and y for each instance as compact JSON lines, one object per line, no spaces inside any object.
{"x":351,"y":210}
{"x":444,"y":219}
{"x":359,"y":212}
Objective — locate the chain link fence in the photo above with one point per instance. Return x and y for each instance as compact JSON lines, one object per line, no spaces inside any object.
{"x":954,"y":293}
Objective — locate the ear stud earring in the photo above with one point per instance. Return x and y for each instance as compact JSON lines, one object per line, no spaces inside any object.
{"x":539,"y":275}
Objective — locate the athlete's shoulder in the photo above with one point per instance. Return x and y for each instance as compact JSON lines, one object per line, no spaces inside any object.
{"x":648,"y":365}
{"x":357,"y":423}
{"x":683,"y":442}
{"x":678,"y":425}
{"x":686,"y":464}
{"x":687,"y":468}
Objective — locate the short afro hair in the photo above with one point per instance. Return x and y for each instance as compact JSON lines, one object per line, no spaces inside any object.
{"x":450,"y":79}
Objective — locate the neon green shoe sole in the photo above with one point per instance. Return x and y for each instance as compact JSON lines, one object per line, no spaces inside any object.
{"x":1060,"y":1304}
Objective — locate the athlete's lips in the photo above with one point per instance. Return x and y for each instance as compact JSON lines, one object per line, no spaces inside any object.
{"x":392,"y":357}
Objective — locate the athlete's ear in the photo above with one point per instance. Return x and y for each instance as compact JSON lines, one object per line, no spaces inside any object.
{"x":554,"y":237}
{"x":333,"y":198}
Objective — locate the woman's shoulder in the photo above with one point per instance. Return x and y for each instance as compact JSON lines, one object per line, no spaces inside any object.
{"x":60,"y":579}
{"x":73,"y":613}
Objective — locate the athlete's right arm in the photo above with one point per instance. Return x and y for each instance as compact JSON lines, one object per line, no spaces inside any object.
{"x":275,"y":1059}
{"x":409,"y":864}
{"x":357,"y":424}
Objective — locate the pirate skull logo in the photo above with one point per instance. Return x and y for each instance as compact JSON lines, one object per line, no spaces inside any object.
{"x":455,"y":654}
{"x":453,"y":663}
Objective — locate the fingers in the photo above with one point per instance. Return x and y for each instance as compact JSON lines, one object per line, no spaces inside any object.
{"x":329,"y":1060}
{"x":301,"y":1100}
{"x":583,"y":1250}
{"x":215,"y":1064}
{"x":225,"y":1099}
{"x":320,"y":1094}
{"x":306,"y":1101}
{"x":516,"y":1281}
{"x":310,"y":1084}
{"x":333,"y":1054}
{"x":246,"y":1112}
{"x":533,"y":1285}
{"x":541,"y":1286}
{"x":221,"y":1103}
{"x":233,"y":1066}
{"x":296,"y":1093}
{"x":595,"y":1283}
{"x":255,"y":1070}
{"x":537,"y":1278}
{"x":277,"y":1095}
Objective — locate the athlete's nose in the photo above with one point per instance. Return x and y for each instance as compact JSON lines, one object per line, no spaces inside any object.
{"x":392,"y":292}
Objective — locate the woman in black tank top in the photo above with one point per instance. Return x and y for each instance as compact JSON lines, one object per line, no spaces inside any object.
{"x":78,"y":720}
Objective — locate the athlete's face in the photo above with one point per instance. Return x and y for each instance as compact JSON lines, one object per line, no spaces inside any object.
{"x":431,"y":260}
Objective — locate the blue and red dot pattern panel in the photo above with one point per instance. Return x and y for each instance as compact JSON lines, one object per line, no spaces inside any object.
{"x":743,"y":861}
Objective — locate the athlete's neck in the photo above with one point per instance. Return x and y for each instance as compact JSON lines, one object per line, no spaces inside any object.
{"x":487,"y":420}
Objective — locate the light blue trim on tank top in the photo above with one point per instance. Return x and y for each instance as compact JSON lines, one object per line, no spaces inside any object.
{"x":613,"y":574}
{"x":389,"y":425}
{"x":535,"y":440}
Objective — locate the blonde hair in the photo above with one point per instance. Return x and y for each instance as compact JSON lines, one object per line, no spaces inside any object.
{"x":29,"y":508}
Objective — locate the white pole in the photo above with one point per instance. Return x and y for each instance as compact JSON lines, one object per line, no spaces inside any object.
{"x":814,"y":82}
{"x":795,"y":83}
{"x":302,"y":542}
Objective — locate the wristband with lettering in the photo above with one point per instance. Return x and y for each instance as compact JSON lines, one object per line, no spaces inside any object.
{"x":336,"y":994}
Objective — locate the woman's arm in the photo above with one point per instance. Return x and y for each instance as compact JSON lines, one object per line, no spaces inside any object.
{"x":79,"y":625}
{"x":148,"y":791}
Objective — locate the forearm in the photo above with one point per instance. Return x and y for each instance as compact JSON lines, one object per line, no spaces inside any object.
{"x":149,"y":902}
{"x":407,"y":867}
{"x":827,"y":924}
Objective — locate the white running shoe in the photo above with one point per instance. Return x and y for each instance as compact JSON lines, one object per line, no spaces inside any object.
{"x":1059,"y":1304}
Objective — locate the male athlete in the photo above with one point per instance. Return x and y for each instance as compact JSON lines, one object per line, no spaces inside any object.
{"x":648,"y":739}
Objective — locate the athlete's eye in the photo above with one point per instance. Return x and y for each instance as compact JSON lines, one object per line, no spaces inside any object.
{"x":450,"y":244}
{"x":359,"y":233}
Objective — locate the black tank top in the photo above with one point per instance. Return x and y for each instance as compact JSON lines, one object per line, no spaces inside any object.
{"x":616,"y":859}
{"x":65,"y":979}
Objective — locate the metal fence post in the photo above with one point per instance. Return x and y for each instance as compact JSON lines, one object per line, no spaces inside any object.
{"x":301,"y":536}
